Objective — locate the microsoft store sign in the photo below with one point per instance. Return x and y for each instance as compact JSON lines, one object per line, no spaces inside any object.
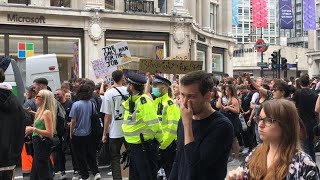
{"x":26,"y":19}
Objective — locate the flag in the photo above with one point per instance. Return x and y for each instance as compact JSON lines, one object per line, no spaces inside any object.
{"x":286,"y":17}
{"x":76,"y":61}
{"x":235,"y":14}
{"x":309,"y":15}
{"x":260,"y":13}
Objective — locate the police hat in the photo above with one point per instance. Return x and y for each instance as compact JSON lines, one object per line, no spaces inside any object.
{"x":135,"y":78}
{"x":161,"y":80}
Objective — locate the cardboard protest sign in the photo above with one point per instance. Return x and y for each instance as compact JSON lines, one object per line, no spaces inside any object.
{"x":115,"y":53}
{"x":101,"y":69}
{"x":169,"y":66}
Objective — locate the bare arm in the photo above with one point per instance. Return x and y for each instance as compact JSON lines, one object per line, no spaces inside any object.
{"x":147,"y":87}
{"x":234,"y":108}
{"x":107,"y":122}
{"x":219,"y":103}
{"x":72,"y":126}
{"x":317,"y":108}
{"x":101,"y":92}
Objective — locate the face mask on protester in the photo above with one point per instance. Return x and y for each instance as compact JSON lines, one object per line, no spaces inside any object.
{"x":156,"y":92}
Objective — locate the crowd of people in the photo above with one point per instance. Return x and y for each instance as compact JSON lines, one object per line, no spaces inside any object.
{"x":186,"y":128}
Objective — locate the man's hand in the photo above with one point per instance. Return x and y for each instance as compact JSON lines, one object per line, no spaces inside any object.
{"x":186,"y":113}
{"x":104,"y":139}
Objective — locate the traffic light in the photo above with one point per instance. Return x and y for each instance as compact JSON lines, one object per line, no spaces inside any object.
{"x":274,"y":59}
{"x":284,"y":63}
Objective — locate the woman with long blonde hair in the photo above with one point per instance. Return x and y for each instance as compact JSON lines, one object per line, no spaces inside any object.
{"x":280,"y":155}
{"x":43,"y":131}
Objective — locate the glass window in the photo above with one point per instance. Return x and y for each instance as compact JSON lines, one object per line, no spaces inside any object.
{"x":142,"y":49}
{"x":109,"y":4}
{"x":1,"y":45}
{"x":201,"y":56}
{"x":212,"y":16}
{"x":68,"y":52}
{"x":60,"y":3}
{"x":19,"y":1}
{"x":24,"y":51}
{"x":217,"y":62}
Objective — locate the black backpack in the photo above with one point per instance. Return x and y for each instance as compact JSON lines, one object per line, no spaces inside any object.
{"x":61,"y":119}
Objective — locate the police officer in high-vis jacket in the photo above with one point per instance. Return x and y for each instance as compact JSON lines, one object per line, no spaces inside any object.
{"x":141,"y":130}
{"x":169,"y":115}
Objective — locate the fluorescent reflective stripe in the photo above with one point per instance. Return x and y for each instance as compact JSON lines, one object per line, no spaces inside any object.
{"x":152,"y":122}
{"x":137,"y":133}
{"x":176,"y":122}
{"x":171,"y":131}
{"x":128,"y":122}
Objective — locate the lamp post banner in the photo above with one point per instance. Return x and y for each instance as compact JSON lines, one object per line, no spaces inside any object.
{"x":286,"y":16}
{"x":309,"y":15}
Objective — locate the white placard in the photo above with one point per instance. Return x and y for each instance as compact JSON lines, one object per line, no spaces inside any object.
{"x":114,"y":53}
{"x":100,"y":68}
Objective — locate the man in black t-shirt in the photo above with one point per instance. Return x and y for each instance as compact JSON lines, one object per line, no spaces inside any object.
{"x":205,"y":136}
{"x":60,"y":159}
{"x":248,"y":135}
{"x":305,"y":100}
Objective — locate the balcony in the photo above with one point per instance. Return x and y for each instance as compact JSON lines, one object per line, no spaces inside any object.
{"x":138,"y":6}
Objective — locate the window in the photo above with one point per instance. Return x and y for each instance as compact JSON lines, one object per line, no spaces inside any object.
{"x":60,"y":3}
{"x":67,"y":51}
{"x":201,"y":56}
{"x":20,"y":1}
{"x":109,"y":4}
{"x":1,"y":45}
{"x":213,"y":17}
{"x":217,"y":62}
{"x":141,"y":48}
{"x":37,"y":42}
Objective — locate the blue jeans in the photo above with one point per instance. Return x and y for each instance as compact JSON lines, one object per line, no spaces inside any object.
{"x":259,"y":141}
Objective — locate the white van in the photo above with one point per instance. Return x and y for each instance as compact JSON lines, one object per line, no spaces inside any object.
{"x":43,"y":66}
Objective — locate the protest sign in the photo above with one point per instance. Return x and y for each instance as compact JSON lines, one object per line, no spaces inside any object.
{"x":114,"y":53}
{"x":169,"y":66}
{"x":101,"y":69}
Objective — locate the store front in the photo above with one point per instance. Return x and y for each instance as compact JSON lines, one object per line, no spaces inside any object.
{"x":66,"y":43}
{"x":218,"y":62}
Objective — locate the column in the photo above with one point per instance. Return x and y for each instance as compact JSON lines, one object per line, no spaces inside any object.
{"x":170,"y":6}
{"x":193,"y":50}
{"x":205,"y":14}
{"x":209,"y":59}
{"x":219,"y":19}
{"x":215,"y":17}
{"x":119,"y":6}
{"x":228,"y":64}
{"x":191,"y":7}
{"x":227,"y":16}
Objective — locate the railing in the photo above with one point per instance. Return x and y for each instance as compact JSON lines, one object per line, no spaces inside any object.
{"x":139,"y":6}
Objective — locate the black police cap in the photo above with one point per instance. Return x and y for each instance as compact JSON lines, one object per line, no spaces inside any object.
{"x":136,"y":78}
{"x":162,"y":80}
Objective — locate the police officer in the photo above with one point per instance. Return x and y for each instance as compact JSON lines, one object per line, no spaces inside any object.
{"x":141,"y":130}
{"x":169,"y":115}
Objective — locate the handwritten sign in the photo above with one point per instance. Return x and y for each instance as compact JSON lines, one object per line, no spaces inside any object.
{"x":113,"y":54}
{"x":181,"y":57}
{"x":101,"y":69}
{"x":169,"y":66}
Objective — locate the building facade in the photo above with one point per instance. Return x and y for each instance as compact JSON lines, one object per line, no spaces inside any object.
{"x":76,"y":31}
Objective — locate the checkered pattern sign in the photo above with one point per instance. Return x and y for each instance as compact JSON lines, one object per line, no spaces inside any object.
{"x":25,"y":50}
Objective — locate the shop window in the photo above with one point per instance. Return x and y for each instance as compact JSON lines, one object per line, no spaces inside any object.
{"x":201,"y":56}
{"x":142,"y":49}
{"x":60,"y":3}
{"x":26,"y":2}
{"x":68,"y":51}
{"x":21,"y":53}
{"x":109,"y":4}
{"x":217,"y":62}
{"x":1,"y":45}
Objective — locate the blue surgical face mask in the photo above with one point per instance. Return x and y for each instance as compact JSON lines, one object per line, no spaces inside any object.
{"x":156,"y":92}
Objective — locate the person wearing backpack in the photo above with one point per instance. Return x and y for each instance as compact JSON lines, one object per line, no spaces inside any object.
{"x":113,"y":109}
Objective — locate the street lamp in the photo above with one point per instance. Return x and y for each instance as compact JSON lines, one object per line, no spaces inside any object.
{"x":297,"y":71}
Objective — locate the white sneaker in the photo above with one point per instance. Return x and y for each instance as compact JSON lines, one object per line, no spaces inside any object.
{"x":97,"y":176}
{"x":75,"y":177}
{"x":245,"y":151}
{"x":109,"y":173}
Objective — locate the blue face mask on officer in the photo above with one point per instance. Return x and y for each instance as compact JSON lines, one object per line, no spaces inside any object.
{"x":156,"y":92}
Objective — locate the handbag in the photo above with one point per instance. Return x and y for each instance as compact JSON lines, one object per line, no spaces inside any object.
{"x":243,"y":122}
{"x":96,"y":127}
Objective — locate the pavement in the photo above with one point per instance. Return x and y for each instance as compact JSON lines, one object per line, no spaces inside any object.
{"x":105,"y":169}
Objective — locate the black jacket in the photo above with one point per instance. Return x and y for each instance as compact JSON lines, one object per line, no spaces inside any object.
{"x":12,"y":129}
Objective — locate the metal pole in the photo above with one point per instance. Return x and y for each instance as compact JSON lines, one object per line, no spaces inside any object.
{"x":278,"y":64}
{"x":261,"y":72}
{"x":297,"y":71}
